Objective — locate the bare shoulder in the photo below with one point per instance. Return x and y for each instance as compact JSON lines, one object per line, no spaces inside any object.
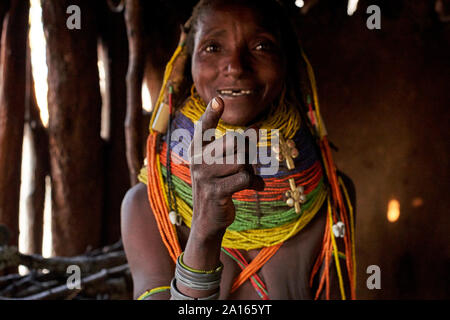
{"x":134,"y":198}
{"x":149,"y":262}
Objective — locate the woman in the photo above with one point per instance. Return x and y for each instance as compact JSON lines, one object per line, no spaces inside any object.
{"x":237,"y":233}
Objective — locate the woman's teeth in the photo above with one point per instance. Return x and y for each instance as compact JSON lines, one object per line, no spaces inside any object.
{"x":234,"y":93}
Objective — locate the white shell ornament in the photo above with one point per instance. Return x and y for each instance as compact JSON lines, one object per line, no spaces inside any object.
{"x":175,"y":218}
{"x":339,"y":229}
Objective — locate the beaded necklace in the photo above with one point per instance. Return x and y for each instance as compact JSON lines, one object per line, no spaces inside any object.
{"x":251,"y":232}
{"x":276,"y":220}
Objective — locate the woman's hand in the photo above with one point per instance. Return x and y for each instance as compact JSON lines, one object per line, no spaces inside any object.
{"x":214,"y":182}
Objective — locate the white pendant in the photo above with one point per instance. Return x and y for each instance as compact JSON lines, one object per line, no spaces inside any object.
{"x":339,"y":229}
{"x":290,"y":202}
{"x":302,"y":198}
{"x":175,"y":218}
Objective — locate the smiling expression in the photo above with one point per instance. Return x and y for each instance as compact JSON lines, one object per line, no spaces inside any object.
{"x":238,"y":57}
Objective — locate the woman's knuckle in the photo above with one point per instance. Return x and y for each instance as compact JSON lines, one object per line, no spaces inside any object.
{"x":217,"y":189}
{"x":244,"y":178}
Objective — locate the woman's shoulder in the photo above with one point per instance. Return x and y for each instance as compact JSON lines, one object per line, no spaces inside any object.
{"x":136,"y":215}
{"x":135,"y":207}
{"x":135,"y":198}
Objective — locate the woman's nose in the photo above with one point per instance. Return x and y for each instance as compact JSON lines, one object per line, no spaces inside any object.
{"x":235,"y":64}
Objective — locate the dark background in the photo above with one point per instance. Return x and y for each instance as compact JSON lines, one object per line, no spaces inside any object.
{"x":385,"y":97}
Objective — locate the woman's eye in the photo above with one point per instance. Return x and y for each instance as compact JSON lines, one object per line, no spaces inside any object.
{"x":212,"y":48}
{"x":264,"y":46}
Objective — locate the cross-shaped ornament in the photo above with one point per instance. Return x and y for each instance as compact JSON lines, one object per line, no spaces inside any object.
{"x":286,"y":151}
{"x":295,"y":196}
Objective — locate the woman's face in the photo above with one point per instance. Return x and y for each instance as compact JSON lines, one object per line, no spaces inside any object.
{"x":237,"y":57}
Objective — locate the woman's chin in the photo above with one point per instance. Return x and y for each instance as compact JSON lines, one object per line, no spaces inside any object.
{"x":236,"y":118}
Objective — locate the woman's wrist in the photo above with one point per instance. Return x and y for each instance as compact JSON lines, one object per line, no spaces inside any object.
{"x":202,"y":252}
{"x":203,"y":249}
{"x":207,"y":226}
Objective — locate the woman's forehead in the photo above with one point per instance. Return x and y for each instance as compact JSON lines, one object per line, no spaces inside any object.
{"x":214,"y":20}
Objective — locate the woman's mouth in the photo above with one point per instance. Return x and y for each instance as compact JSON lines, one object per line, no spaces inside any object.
{"x":235,"y":92}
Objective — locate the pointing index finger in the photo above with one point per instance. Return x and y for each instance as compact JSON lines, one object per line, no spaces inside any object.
{"x":209,"y":119}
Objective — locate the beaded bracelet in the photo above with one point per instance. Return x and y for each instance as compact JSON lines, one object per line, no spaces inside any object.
{"x":153,"y":291}
{"x":175,"y":294}
{"x":197,"y":279}
{"x":218,"y":269}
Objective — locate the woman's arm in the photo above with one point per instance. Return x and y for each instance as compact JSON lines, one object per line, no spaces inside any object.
{"x":148,"y":258}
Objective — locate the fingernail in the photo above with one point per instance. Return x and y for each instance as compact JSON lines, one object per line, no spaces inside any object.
{"x":215,"y":104}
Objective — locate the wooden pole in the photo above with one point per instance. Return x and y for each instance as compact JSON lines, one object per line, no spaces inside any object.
{"x":12,"y":109}
{"x":135,"y":75}
{"x":117,"y":181}
{"x":74,"y":103}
